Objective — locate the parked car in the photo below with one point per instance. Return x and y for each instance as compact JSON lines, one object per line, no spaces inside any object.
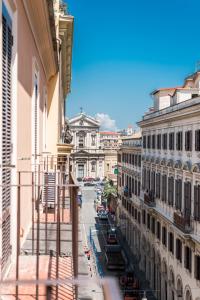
{"x":79,"y":179}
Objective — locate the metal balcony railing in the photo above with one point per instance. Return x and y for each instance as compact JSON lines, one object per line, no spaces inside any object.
{"x":45,"y":252}
{"x":183,"y":223}
{"x":149,"y":199}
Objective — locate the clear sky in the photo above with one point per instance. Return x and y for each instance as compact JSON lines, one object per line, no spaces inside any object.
{"x":125,"y":49}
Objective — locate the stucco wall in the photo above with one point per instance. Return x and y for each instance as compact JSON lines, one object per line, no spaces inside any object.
{"x":28,"y":60}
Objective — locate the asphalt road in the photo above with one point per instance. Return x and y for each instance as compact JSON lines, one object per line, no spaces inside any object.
{"x":89,"y":221}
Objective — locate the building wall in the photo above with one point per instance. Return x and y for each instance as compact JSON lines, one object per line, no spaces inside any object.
{"x":177,"y":165}
{"x":29,"y":63}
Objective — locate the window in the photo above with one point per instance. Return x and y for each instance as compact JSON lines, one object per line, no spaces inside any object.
{"x":149,"y":142}
{"x":188,"y":140}
{"x":108,"y":167}
{"x":164,"y":141}
{"x":136,"y":187}
{"x":188,"y":259}
{"x":159,"y":141}
{"x":139,"y":217}
{"x":164,"y":188}
{"x":136,"y":160}
{"x":197,"y":267}
{"x":144,"y":217}
{"x":81,"y":141}
{"x":133,"y":186}
{"x":187,"y":200}
{"x":144,"y":142}
{"x":93,"y":166}
{"x":139,"y":163}
{"x":153,"y":229}
{"x":119,"y":157}
{"x":179,"y":250}
{"x":153,"y":141}
{"x":171,"y":242}
{"x":148,"y":221}
{"x":171,"y":191}
{"x":144,"y":175}
{"x":197,"y":202}
{"x":93,"y":140}
{"x":133,"y":159}
{"x":179,"y":141}
{"x":164,"y":236}
{"x":132,"y":211}
{"x":158,"y":185}
{"x":171,"y":141}
{"x":197,"y":140}
{"x":153,"y":182}
{"x":178,"y":194}
{"x":158,"y":230}
{"x":136,"y":214}
{"x":148,"y":180}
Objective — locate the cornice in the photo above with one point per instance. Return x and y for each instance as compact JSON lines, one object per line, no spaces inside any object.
{"x":39,"y":14}
{"x":193,"y":110}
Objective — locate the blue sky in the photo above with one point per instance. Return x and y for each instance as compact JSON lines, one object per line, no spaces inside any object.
{"x":125,"y":49}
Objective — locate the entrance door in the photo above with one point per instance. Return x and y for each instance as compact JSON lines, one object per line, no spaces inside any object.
{"x":81,"y":171}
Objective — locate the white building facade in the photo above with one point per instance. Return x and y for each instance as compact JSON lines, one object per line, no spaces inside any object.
{"x":170,"y":193}
{"x":87,"y":157}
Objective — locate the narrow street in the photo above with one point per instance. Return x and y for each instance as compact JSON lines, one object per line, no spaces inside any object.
{"x":91,"y":228}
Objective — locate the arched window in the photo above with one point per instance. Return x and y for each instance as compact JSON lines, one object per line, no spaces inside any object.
{"x":188,"y":295}
{"x":179,"y":289}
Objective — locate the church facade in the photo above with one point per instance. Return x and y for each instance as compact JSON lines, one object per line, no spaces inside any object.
{"x":87,"y":158}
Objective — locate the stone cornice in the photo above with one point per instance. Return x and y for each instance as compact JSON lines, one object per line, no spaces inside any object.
{"x":66,"y":27}
{"x":183,"y":113}
{"x":39,"y":14}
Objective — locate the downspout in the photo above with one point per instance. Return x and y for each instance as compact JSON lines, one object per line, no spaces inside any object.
{"x":59,"y":91}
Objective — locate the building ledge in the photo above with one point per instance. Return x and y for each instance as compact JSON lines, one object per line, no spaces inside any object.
{"x":64,"y":149}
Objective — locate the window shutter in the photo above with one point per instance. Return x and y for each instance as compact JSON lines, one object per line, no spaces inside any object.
{"x":7,"y":42}
{"x":196,"y":202}
{"x":186,"y":140}
{"x":180,"y":193}
{"x":176,"y":194}
{"x":177,"y":249}
{"x":190,"y":137}
{"x":138,"y":188}
{"x":195,"y":266}
{"x":190,"y":260}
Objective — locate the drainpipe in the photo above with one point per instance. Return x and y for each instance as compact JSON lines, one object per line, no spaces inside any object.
{"x":59,"y":91}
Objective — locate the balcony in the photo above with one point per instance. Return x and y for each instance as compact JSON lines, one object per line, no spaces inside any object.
{"x":149,"y":199}
{"x":64,"y":149}
{"x":183,"y":223}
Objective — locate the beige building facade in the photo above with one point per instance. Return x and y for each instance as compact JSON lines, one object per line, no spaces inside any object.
{"x":34,"y":44}
{"x":110,"y":142}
